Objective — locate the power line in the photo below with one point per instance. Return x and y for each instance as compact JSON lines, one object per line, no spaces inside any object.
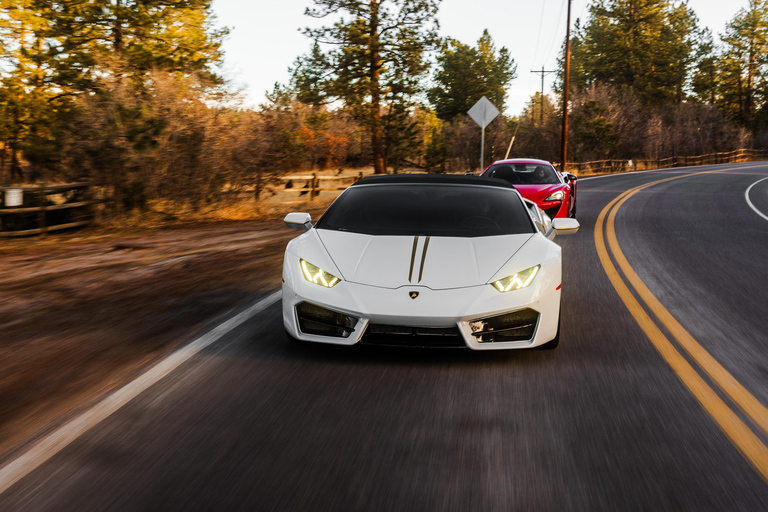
{"x":538,"y":36}
{"x":583,"y":8}
{"x":554,"y":36}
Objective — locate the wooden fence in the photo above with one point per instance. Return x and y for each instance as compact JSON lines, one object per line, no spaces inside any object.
{"x":40,"y":209}
{"x":615,"y":166}
{"x":314,"y":184}
{"x":37,"y":210}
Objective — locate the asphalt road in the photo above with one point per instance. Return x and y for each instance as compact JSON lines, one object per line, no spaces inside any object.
{"x":602,"y":423}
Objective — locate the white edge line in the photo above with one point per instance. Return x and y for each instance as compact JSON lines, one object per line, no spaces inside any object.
{"x":749,"y":202}
{"x":57,"y":440}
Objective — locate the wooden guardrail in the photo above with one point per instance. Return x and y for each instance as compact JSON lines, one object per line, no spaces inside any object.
{"x":35,"y":210}
{"x":614,"y":166}
{"x":313,"y":184}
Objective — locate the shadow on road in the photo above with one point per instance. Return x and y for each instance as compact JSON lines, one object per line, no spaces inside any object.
{"x":363,"y":354}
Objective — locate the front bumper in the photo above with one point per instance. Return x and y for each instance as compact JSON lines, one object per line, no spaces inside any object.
{"x":431,"y":309}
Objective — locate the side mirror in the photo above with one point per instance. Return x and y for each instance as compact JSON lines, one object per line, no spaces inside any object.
{"x":563,"y":226}
{"x":298,"y":220}
{"x":571,"y":176}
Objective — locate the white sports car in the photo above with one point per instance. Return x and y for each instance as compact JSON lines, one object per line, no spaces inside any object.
{"x":426,"y":261}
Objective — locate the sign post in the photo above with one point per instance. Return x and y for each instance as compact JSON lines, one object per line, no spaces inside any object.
{"x":483,"y":113}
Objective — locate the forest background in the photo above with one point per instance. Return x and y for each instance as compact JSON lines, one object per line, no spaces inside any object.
{"x":128,"y":95}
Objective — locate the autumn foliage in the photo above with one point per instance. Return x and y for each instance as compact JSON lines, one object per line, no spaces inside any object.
{"x":128,"y":95}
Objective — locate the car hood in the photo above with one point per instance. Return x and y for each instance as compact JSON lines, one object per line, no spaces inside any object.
{"x":537,"y":193}
{"x":392,"y":261}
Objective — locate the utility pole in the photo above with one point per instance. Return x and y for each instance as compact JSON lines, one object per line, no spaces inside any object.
{"x":566,"y":88}
{"x":541,"y":97}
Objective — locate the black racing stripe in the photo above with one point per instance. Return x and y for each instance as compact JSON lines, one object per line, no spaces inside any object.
{"x":413,"y":257}
{"x":423,"y":257}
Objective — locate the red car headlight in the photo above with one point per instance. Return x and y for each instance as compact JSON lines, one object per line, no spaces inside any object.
{"x":557,"y":196}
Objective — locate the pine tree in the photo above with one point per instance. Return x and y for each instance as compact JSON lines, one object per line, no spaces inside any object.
{"x":56,"y":50}
{"x":744,"y":64}
{"x":174,"y":35}
{"x":25,"y":102}
{"x":375,"y":55}
{"x":465,"y":74}
{"x":645,"y":45}
{"x":705,"y":70}
{"x":307,"y":77}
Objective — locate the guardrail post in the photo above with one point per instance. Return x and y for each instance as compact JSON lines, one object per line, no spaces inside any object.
{"x":313,"y":190}
{"x":41,"y":221}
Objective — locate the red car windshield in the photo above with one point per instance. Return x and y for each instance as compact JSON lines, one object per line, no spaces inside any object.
{"x":524,"y":174}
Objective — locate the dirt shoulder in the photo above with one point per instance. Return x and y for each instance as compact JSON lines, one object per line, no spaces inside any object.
{"x":81,"y":314}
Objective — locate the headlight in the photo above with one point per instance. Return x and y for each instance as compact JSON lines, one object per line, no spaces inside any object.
{"x":557,"y":196}
{"x":517,"y":281}
{"x":315,"y":274}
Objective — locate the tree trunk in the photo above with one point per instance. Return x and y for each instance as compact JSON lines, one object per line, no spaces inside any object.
{"x":377,"y":131}
{"x":15,"y":163}
{"x":117,"y":29}
{"x":741,"y":97}
{"x":2,"y":163}
{"x":749,"y":94}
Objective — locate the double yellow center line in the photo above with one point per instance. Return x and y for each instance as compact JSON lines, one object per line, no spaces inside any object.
{"x":740,"y":434}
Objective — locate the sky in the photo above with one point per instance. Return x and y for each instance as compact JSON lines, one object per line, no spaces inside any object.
{"x":265,"y":36}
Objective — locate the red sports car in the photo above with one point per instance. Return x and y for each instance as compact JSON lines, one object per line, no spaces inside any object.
{"x":538,"y":181}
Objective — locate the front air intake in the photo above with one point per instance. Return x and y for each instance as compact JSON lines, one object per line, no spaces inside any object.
{"x":317,"y":320}
{"x":552,"y":212}
{"x":408,"y":336}
{"x":515,"y":326}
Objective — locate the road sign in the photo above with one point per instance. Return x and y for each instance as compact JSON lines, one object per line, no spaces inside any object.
{"x":483,"y":113}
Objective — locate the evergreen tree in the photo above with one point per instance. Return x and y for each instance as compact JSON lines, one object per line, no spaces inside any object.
{"x":375,"y":54}
{"x":465,"y":74}
{"x":744,"y":64}
{"x":307,"y":77}
{"x":704,"y":76}
{"x":646,"y":45}
{"x":55,"y":50}
{"x":174,"y":35}
{"x":26,"y":100}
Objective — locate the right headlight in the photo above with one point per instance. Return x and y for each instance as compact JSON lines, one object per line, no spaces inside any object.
{"x":517,"y":281}
{"x":315,"y":274}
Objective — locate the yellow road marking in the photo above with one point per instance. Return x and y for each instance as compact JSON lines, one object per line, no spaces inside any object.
{"x":730,"y":386}
{"x":734,"y":428}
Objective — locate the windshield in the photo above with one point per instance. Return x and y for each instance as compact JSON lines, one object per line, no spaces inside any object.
{"x":524,"y":174}
{"x":428,"y":210}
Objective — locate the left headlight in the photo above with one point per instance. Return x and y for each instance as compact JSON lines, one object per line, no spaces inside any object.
{"x":315,"y":274}
{"x":557,"y":196}
{"x":522,"y":279}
